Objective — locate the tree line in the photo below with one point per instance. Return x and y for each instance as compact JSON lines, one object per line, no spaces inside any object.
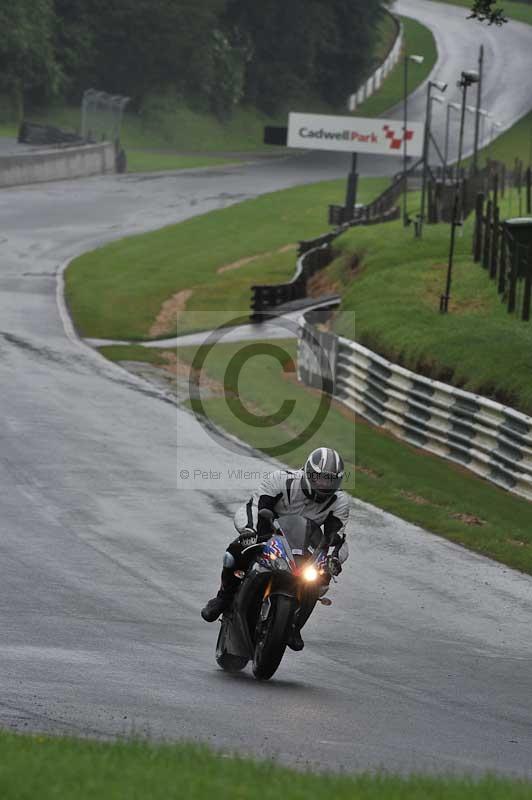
{"x":217,"y":52}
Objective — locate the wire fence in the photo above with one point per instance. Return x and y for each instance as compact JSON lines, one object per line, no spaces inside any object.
{"x":101,"y":116}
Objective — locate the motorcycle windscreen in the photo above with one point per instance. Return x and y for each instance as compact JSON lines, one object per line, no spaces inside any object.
{"x":302,"y":534}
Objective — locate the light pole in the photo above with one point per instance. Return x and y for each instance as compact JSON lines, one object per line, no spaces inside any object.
{"x":417,"y":60}
{"x":494,"y":125}
{"x":467,"y":78}
{"x":436,"y":98}
{"x":455,"y":107}
{"x":478,"y":110}
{"x":441,"y":87}
{"x":480,"y":113}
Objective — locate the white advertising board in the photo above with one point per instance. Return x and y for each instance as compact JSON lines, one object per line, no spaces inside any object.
{"x":382,"y":137}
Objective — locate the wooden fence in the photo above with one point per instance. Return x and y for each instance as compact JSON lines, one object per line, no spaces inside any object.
{"x":506,"y":257}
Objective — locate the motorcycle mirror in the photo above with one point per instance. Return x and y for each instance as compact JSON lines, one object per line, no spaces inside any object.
{"x":266,"y":513}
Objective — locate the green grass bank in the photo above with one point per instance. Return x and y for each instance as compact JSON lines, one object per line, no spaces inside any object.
{"x":388,"y":279}
{"x":45,"y":768}
{"x":392,"y":283}
{"x":117,"y":291}
{"x":514,"y":143}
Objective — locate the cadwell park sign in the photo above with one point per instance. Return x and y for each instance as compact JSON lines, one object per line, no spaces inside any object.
{"x":354,"y":134}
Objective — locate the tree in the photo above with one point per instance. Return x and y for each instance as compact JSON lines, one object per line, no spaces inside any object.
{"x":27,"y":59}
{"x":213,"y":52}
{"x":145,"y":44}
{"x":346,"y":46}
{"x":304,"y":47}
{"x":76,"y":25}
{"x":486,"y":11}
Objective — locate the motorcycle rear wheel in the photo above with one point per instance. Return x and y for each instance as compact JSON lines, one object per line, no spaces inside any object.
{"x":271,"y":643}
{"x":227,"y":661}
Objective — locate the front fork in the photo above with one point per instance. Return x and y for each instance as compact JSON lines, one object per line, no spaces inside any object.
{"x":306,"y":598}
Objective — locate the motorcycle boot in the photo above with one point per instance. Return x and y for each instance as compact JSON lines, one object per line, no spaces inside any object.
{"x":295,"y":640}
{"x":223,"y":600}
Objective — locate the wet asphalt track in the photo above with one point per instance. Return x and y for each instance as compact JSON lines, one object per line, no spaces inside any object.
{"x":422,"y":663}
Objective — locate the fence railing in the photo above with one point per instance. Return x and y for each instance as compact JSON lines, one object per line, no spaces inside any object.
{"x":315,"y":254}
{"x":494,"y":177}
{"x":374,"y":82}
{"x":483,"y":436}
{"x":507,"y":260}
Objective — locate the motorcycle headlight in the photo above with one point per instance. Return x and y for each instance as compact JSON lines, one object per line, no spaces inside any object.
{"x":310,"y":574}
{"x":280,"y":564}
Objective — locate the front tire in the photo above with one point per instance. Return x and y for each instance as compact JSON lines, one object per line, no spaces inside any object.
{"x":227,"y":661}
{"x":271,"y":642}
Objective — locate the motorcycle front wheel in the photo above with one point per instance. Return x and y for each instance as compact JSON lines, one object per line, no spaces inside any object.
{"x":271,"y":640}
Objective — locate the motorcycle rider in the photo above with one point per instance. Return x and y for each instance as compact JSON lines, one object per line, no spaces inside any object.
{"x":313,"y":492}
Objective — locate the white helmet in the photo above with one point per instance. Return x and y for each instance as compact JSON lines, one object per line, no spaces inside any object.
{"x":322,"y":474}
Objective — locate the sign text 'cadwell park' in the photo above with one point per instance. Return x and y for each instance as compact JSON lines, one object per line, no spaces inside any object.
{"x":354,"y":134}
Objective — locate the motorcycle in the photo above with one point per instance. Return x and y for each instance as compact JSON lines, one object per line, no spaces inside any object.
{"x":286,"y":578}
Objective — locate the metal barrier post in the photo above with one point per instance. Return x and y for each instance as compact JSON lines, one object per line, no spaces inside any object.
{"x":487,"y":235}
{"x":477,"y":236}
{"x":351,"y":194}
{"x":494,"y":243}
{"x":528,"y":286}
{"x":502,"y":265}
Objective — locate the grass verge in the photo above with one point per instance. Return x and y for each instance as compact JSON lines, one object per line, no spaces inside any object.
{"x":422,"y":489}
{"x":50,"y":768}
{"x":514,"y":143}
{"x":392,"y":282}
{"x":117,"y":291}
{"x":167,"y":124}
{"x":8,"y":129}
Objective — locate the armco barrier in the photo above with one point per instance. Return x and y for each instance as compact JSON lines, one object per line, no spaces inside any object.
{"x":314,"y":255}
{"x":490,"y":439}
{"x":374,"y":82}
{"x":57,"y":164}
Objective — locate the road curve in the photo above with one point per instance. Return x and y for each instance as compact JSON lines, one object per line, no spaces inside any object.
{"x":506,"y":88}
{"x":422,"y":663}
